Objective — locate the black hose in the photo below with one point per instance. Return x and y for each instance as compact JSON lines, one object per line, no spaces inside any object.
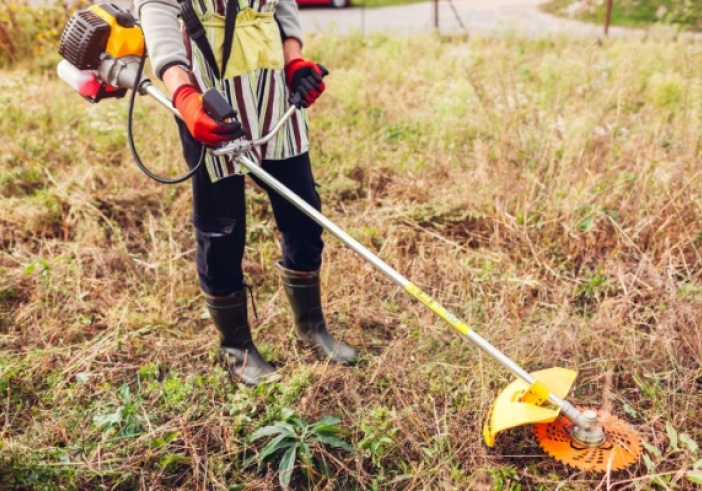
{"x":130,"y":137}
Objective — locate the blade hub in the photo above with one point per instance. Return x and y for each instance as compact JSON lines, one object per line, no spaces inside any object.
{"x":592,"y":438}
{"x":588,"y":433}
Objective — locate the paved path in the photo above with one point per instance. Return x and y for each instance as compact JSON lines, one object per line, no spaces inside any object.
{"x":489,"y":17}
{"x":483,"y":16}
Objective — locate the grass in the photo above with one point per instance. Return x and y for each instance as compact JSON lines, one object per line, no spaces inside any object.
{"x":546,"y":190}
{"x":682,"y":14}
{"x":25,"y":32}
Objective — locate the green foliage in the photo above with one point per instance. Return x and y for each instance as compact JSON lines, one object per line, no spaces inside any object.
{"x":505,"y":478}
{"x":596,"y":284}
{"x":28,"y":32}
{"x":694,"y":477}
{"x":689,"y":289}
{"x":666,"y":90}
{"x":686,"y":14}
{"x":125,"y":421}
{"x":589,"y":217}
{"x":20,"y":180}
{"x":295,"y":441}
{"x":378,"y":434}
{"x":43,"y":477}
{"x":176,"y":391}
{"x":677,"y":443}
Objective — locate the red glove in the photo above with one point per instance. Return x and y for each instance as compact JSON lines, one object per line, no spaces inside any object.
{"x":304,"y":78}
{"x":188,"y":101}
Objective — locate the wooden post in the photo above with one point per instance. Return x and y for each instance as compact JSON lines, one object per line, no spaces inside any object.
{"x":608,"y":17}
{"x":436,"y":15}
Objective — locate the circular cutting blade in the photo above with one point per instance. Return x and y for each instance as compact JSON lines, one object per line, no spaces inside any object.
{"x":620,"y":449}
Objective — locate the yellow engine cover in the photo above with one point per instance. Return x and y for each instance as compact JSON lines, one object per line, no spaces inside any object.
{"x":123,"y":41}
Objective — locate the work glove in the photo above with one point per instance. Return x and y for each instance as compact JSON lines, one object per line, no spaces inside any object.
{"x":188,"y":101}
{"x":304,"y":78}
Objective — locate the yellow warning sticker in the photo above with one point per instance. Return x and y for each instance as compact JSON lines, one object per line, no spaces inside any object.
{"x":442,"y":312}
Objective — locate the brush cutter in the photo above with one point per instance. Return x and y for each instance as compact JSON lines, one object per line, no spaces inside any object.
{"x":106,"y":55}
{"x":584,"y":439}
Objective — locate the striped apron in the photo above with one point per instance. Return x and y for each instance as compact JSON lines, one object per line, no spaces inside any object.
{"x":253,"y":81}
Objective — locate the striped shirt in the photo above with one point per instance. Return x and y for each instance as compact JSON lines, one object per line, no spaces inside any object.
{"x":260,"y":97}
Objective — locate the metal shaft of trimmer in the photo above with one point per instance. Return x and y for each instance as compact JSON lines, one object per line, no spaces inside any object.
{"x":586,"y":422}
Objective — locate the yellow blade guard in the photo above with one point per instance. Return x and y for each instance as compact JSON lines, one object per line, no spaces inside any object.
{"x":520,"y":404}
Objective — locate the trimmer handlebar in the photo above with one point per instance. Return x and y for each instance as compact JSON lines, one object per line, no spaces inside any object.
{"x":237,"y":147}
{"x":219,"y":108}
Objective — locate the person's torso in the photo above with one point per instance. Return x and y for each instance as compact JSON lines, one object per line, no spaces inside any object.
{"x":253,"y":80}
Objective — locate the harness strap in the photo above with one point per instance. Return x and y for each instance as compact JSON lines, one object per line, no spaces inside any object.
{"x":196,"y":31}
{"x":229,"y":20}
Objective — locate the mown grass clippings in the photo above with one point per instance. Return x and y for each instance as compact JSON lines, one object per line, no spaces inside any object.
{"x":553,"y":203}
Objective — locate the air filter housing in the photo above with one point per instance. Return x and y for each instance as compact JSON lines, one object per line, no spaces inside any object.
{"x":84,"y":39}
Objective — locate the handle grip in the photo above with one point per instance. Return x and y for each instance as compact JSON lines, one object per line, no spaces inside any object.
{"x":296,"y":100}
{"x":217,"y":107}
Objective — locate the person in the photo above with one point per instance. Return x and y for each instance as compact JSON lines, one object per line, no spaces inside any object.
{"x":258,"y":66}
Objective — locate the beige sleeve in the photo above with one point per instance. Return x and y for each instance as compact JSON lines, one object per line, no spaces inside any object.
{"x":162,"y":31}
{"x":288,"y":16}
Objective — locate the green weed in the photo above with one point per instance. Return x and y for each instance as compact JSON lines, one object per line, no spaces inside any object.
{"x":294,"y":440}
{"x":378,"y":434}
{"x":125,"y":421}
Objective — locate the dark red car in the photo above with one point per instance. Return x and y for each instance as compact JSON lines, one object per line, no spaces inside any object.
{"x":339,"y":4}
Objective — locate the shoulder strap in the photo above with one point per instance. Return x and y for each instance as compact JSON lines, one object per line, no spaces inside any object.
{"x":229,"y":27}
{"x":197,"y":33}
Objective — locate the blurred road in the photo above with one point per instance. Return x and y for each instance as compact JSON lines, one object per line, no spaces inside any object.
{"x":482,"y":16}
{"x":489,"y":17}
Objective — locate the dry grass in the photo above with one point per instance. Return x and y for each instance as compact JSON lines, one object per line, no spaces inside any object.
{"x":548,"y":191}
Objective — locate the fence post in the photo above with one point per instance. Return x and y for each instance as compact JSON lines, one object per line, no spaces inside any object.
{"x":608,"y":17}
{"x":436,"y":15}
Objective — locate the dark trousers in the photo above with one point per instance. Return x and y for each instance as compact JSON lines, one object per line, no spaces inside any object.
{"x":219,"y":217}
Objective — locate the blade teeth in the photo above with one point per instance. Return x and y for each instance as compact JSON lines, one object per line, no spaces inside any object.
{"x":597,"y":459}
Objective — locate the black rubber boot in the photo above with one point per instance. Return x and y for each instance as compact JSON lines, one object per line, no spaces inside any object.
{"x":237,"y":350}
{"x":304,"y":294}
